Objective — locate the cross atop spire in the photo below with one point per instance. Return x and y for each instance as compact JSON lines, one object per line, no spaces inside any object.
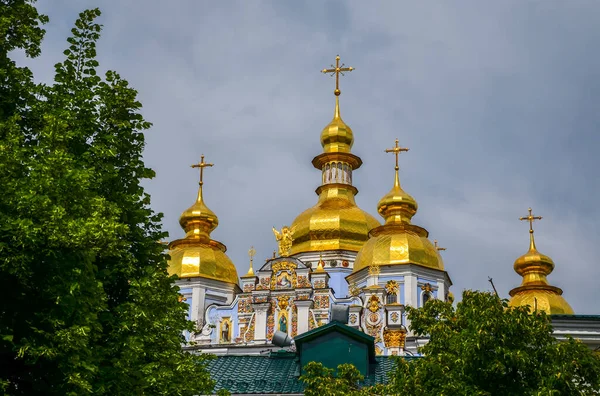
{"x":337,"y":70}
{"x":396,"y":150}
{"x":530,"y":218}
{"x":201,"y":165}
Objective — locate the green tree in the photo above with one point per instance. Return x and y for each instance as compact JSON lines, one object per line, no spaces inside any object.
{"x":87,"y":304}
{"x":484,"y":347}
{"x":345,"y":381}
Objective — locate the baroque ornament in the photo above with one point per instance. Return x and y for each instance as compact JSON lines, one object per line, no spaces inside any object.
{"x":374,"y":270}
{"x":394,"y":338}
{"x":373,"y":304}
{"x":391,"y":287}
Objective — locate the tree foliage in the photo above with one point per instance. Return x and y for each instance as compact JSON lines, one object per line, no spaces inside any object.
{"x":87,"y":304}
{"x":481,"y":347}
{"x":345,"y":381}
{"x":484,"y":347}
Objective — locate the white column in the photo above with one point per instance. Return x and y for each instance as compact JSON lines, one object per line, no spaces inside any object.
{"x":441,"y":291}
{"x":260,"y":322}
{"x":198,"y":300}
{"x":411,"y":294}
{"x":303,"y":311}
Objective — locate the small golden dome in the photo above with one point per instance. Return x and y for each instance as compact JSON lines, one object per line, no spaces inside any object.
{"x":549,"y":300}
{"x":337,"y":136}
{"x":198,"y":221}
{"x":397,"y":245}
{"x":535,"y":290}
{"x":191,"y":258}
{"x":398,"y":242}
{"x":397,"y":206}
{"x":197,"y":255}
{"x":334,"y":223}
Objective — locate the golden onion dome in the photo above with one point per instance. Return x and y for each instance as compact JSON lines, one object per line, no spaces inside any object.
{"x":398,"y":242}
{"x":535,"y":290}
{"x":198,"y":220}
{"x":337,"y":137}
{"x":397,"y":206}
{"x":197,"y":255}
{"x":397,"y":245}
{"x":334,"y":223}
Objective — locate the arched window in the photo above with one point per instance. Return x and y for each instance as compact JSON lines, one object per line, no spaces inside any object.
{"x":426,"y":297}
{"x":392,"y":298}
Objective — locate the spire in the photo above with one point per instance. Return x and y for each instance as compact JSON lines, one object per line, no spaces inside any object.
{"x":397,"y":206}
{"x":337,"y":136}
{"x":321,"y":264}
{"x":535,"y":290}
{"x":251,"y":254}
{"x":198,"y":221}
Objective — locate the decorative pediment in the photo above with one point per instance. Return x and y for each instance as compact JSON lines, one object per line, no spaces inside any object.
{"x":281,"y":262}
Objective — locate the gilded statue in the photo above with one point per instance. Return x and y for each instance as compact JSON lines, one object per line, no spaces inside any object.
{"x":284,"y":239}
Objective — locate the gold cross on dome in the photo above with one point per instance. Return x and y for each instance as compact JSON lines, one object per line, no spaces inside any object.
{"x":531,"y":218}
{"x":201,"y":165}
{"x":396,"y":150}
{"x":337,"y":70}
{"x":435,"y":243}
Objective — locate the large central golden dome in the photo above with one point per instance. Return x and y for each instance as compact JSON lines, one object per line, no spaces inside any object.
{"x":335,"y":222}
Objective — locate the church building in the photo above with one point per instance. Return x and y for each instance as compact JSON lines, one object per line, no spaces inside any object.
{"x":335,"y":253}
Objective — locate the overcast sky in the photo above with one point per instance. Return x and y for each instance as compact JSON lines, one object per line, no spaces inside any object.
{"x":497,"y":101}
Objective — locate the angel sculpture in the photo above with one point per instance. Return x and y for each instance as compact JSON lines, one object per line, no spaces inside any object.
{"x":284,"y":239}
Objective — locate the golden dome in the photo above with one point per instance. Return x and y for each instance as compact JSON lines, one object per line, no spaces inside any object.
{"x":337,"y":137}
{"x":198,"y":220}
{"x":192,"y":258}
{"x":197,"y":255}
{"x":335,"y":222}
{"x":398,"y":242}
{"x":535,"y":290}
{"x":397,"y":206}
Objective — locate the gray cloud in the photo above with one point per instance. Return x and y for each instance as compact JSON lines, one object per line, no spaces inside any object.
{"x":496,"y":100}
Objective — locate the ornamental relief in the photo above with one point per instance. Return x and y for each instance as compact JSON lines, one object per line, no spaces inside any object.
{"x":321,"y":301}
{"x":394,"y":338}
{"x":264,"y":283}
{"x":373,"y":304}
{"x":244,"y":305}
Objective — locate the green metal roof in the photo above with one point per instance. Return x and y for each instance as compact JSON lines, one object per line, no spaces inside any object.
{"x":338,"y":327}
{"x":276,"y":373}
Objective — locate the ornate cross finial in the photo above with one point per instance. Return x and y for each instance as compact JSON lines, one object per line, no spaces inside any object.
{"x":396,"y":150}
{"x":201,"y":165}
{"x":435,"y":243}
{"x":337,"y":70}
{"x":530,"y":218}
{"x":251,"y":253}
